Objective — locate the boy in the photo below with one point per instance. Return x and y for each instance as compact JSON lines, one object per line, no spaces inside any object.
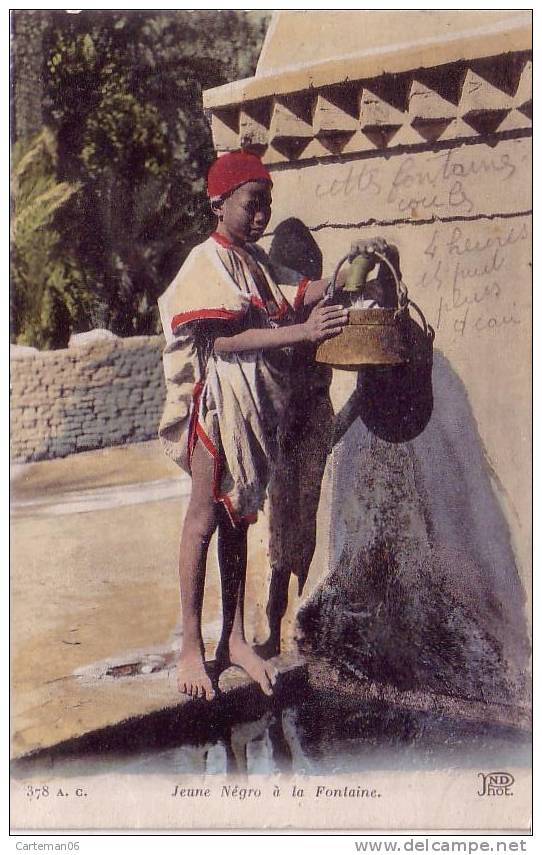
{"x":230,"y":328}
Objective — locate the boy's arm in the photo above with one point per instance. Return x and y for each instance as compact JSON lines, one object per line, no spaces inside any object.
{"x":323,"y":322}
{"x":364,"y":248}
{"x":318,"y":287}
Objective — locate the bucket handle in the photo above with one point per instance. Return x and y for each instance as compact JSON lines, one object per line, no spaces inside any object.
{"x":332,"y":287}
{"x":403,"y":300}
{"x":427,"y":328}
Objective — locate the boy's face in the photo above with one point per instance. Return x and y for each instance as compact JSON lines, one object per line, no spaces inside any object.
{"x":246,"y":212}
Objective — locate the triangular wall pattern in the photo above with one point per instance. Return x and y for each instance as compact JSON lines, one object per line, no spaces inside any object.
{"x":419,"y":108}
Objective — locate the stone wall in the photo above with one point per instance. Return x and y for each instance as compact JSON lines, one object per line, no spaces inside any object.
{"x":97,"y":393}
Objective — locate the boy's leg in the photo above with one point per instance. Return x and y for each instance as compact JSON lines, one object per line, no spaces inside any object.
{"x":233,"y":648}
{"x":283,"y":507}
{"x":277,"y":605}
{"x":199,"y":525}
{"x":294,"y":497}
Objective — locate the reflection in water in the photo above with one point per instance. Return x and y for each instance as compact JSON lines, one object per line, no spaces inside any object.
{"x":322,"y":734}
{"x":253,"y":744}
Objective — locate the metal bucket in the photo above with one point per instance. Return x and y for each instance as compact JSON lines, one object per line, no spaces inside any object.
{"x":373,"y":336}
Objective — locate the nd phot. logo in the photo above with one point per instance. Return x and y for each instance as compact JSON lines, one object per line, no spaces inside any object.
{"x":495,"y":784}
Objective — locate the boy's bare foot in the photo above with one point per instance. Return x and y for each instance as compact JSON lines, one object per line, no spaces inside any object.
{"x":192,"y":677}
{"x":268,"y":648}
{"x":264,"y":673}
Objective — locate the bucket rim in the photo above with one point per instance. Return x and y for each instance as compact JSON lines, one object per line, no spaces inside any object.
{"x":369,"y":317}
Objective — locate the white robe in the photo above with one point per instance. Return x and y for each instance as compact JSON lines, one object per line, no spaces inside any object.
{"x":233,"y":403}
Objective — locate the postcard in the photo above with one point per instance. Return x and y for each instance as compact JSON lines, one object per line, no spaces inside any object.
{"x":271,"y":420}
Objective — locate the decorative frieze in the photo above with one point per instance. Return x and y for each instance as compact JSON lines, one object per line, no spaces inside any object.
{"x":416,"y":108}
{"x":225,"y":129}
{"x":331,"y":118}
{"x":523,"y":100}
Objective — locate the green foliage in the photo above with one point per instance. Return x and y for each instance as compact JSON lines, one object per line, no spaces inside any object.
{"x":48,"y":297}
{"x":91,"y":88}
{"x":122,"y":92}
{"x":124,"y":133}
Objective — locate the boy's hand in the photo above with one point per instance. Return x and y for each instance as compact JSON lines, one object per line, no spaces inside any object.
{"x":366,"y":248}
{"x":324,"y":322}
{"x":392,"y":254}
{"x":385,"y":275}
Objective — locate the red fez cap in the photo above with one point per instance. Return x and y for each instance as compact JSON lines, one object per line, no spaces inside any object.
{"x":234,"y":169}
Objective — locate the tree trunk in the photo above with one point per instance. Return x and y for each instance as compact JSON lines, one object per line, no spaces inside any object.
{"x":27,"y":31}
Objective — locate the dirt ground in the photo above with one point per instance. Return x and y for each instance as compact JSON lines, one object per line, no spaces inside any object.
{"x":94,"y":542}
